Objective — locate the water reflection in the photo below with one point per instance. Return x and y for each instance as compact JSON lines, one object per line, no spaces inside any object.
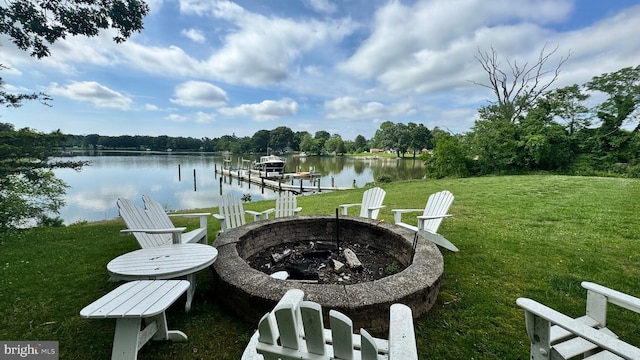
{"x":190,"y":182}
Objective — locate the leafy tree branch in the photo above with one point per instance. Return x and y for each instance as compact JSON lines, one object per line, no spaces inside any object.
{"x":34,"y":25}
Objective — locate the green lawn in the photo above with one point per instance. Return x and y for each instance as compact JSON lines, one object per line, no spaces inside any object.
{"x":532,"y":236}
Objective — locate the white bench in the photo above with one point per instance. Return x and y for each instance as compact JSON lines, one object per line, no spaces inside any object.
{"x":554,"y":335}
{"x":295,"y":330}
{"x":131,"y":304}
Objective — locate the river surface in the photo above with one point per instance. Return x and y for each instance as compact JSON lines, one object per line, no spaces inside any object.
{"x":181,"y":181}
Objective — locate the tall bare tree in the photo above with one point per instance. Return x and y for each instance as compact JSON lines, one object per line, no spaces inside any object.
{"x":517,"y":87}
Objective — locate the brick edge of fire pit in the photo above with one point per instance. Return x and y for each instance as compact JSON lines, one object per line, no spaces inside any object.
{"x":250,"y":293}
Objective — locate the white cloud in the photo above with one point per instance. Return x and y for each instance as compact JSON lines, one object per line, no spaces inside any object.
{"x":151,"y":107}
{"x":350,"y":108}
{"x":256,"y":49}
{"x":196,"y":118}
{"x":430,"y":45}
{"x":177,"y":118}
{"x":194,"y":35}
{"x":199,"y":93}
{"x":264,"y":111}
{"x":204,"y":118}
{"x":170,"y":60}
{"x":263,"y":48}
{"x":91,"y":91}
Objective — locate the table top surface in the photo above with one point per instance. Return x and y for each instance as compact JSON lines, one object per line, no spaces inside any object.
{"x":142,"y":298}
{"x":164,"y":262}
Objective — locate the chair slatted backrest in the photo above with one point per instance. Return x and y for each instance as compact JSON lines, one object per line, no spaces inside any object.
{"x":438,"y":204}
{"x":372,"y":198}
{"x":233,"y":211}
{"x":281,"y":334}
{"x":286,"y":205}
{"x":157,"y":213}
{"x":136,"y":217}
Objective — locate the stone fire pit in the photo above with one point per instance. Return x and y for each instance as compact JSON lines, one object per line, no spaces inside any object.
{"x":251,"y":293}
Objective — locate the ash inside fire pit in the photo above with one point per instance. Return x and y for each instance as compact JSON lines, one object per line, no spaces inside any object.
{"x":323,"y":262}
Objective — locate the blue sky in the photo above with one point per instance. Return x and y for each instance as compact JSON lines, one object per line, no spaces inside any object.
{"x":205,"y":68}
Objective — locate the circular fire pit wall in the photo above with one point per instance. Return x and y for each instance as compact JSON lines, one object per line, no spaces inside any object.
{"x":250,"y":293}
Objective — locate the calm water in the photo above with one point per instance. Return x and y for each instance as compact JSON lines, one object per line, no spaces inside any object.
{"x":169,"y":178}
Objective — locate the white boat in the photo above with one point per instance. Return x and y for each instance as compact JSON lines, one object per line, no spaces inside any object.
{"x":270,"y":164}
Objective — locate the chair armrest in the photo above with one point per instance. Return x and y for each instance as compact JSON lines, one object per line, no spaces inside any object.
{"x":377,"y":207}
{"x":344,"y":207}
{"x":250,"y":352}
{"x":402,"y":337}
{"x":615,"y":297}
{"x":203,"y":217}
{"x":256,"y":214}
{"x":154,"y":231}
{"x":190,"y":214}
{"x":406,"y":210}
{"x":260,"y":215}
{"x":223,"y":222}
{"x":534,"y":309}
{"x":397,"y":213}
{"x":422,"y":219}
{"x":370,"y":210}
{"x":176,"y":233}
{"x":264,"y":214}
{"x":431,"y":217}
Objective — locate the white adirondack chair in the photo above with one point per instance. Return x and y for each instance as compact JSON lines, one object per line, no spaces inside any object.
{"x":149,"y":231}
{"x":286,"y":205}
{"x":157,"y":214}
{"x":295,"y":330}
{"x":371,"y":203}
{"x":428,"y":223}
{"x":554,"y":335}
{"x":232,"y":214}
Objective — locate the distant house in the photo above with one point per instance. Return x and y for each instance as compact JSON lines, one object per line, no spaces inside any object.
{"x":376,"y":151}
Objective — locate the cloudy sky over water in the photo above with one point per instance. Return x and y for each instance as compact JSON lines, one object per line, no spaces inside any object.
{"x":205,"y":68}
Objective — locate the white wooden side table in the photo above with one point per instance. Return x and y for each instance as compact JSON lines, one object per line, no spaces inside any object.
{"x":132,"y":304}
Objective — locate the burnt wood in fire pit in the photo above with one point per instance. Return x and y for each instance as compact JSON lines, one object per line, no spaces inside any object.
{"x":306,"y":260}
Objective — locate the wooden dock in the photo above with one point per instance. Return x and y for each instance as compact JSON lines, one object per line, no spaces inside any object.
{"x":285,"y":182}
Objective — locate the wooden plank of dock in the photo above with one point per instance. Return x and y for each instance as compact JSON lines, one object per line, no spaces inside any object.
{"x":258,"y":178}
